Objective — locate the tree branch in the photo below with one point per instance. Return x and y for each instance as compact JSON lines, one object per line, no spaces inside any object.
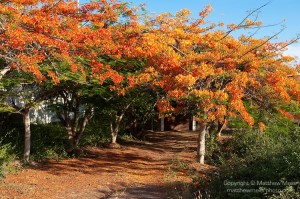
{"x":240,"y":24}
{"x":256,"y":47}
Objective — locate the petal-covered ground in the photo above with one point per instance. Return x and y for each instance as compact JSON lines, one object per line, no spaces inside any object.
{"x":139,"y":169}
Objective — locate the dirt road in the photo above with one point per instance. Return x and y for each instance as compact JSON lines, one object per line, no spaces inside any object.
{"x":139,"y":169}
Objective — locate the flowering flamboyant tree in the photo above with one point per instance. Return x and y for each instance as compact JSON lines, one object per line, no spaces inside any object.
{"x":212,"y":74}
{"x":36,"y":35}
{"x":44,"y":37}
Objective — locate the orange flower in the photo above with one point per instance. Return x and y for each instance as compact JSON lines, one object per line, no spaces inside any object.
{"x":262,"y":126}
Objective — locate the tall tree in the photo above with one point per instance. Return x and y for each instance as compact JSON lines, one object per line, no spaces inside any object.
{"x":73,"y":109}
{"x":44,"y":38}
{"x":212,"y":74}
{"x":20,"y":94}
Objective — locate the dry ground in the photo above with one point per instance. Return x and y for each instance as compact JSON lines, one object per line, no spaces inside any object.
{"x":139,"y":169}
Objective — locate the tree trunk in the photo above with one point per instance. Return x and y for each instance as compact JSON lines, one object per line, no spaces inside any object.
{"x":88,"y":115}
{"x":194,"y":124}
{"x":114,"y":135}
{"x":162,"y":123}
{"x":201,"y":143}
{"x":4,"y":71}
{"x":152,"y":124}
{"x":26,"y":120}
{"x":221,"y":127}
{"x":71,"y":139}
{"x":115,"y":125}
{"x":114,"y":130}
{"x":135,"y":126}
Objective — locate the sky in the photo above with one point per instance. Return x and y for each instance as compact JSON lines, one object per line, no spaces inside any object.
{"x":234,"y":11}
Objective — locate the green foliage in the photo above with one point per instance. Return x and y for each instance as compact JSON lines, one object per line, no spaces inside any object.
{"x":6,"y":156}
{"x":143,"y":109}
{"x":177,"y":164}
{"x":5,"y":108}
{"x":288,"y":192}
{"x":127,"y":137}
{"x":97,"y":132}
{"x":47,"y":141}
{"x":259,"y":157}
{"x":212,"y":148}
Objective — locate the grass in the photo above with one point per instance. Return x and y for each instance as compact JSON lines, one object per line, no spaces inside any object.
{"x":180,"y":189}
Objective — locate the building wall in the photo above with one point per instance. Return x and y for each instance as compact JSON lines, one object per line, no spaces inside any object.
{"x":181,"y":123}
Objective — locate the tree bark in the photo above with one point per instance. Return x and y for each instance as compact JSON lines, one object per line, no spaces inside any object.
{"x":71,"y":139}
{"x":194,"y":124}
{"x":115,"y":124}
{"x":114,"y":137}
{"x":4,"y":71}
{"x":73,"y":125}
{"x":26,"y":120}
{"x":221,"y":127}
{"x":162,"y":123}
{"x":114,"y":129}
{"x":201,"y":143}
{"x":87,"y":116}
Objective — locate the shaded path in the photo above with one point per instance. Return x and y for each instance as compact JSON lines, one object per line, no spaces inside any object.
{"x":137,"y":170}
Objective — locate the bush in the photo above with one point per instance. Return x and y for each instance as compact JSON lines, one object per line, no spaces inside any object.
{"x":260,"y":165}
{"x":6,"y":156}
{"x":288,"y":192}
{"x":50,"y":140}
{"x":47,"y":140}
{"x":97,"y":133}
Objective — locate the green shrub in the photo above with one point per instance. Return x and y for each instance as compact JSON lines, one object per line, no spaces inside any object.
{"x":97,"y":133}
{"x":6,"y":156}
{"x":288,"y":192}
{"x":214,"y":150}
{"x":48,"y":141}
{"x":258,"y":157}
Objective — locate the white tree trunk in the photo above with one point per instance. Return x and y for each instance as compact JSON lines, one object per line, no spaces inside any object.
{"x":201,"y":144}
{"x":114,"y":137}
{"x":114,"y":130}
{"x":26,"y":119}
{"x":194,"y":124}
{"x":115,"y":125}
{"x":221,"y":128}
{"x":4,"y":71}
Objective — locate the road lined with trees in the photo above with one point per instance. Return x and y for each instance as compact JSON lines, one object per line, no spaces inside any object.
{"x":110,"y":64}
